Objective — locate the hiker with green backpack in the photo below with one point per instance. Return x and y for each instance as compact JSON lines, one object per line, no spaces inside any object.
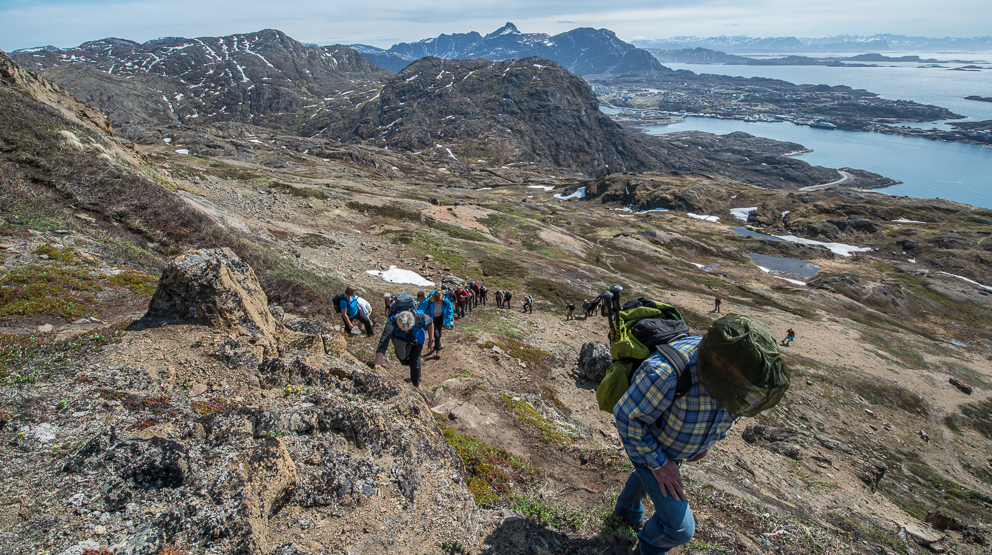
{"x":684,"y":397}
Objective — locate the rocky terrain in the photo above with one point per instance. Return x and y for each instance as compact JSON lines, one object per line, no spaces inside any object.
{"x":174,"y":381}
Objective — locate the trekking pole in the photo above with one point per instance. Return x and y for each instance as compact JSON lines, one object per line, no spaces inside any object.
{"x":616,"y":290}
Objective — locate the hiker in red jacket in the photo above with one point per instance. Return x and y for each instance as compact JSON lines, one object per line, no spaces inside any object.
{"x":461,"y":299}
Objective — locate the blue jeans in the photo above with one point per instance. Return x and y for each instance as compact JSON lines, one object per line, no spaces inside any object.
{"x":671,"y":525}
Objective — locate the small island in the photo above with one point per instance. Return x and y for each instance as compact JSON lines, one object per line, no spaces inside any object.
{"x":979,"y":98}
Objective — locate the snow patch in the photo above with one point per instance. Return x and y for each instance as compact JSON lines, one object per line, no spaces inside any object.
{"x":905,"y":221}
{"x":545,"y":187}
{"x":397,"y":275}
{"x":703,"y":217}
{"x":836,"y":248}
{"x":182,"y":151}
{"x":775,"y":274}
{"x":579,"y":193}
{"x":742,"y":213}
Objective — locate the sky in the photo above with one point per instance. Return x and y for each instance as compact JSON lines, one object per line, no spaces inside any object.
{"x":382,"y":23}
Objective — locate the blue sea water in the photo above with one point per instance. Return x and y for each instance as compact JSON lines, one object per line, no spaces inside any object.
{"x":928,"y":169}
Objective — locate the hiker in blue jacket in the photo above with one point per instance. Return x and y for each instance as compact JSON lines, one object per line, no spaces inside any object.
{"x":351,"y":311}
{"x":409,"y":331}
{"x":438,"y":307}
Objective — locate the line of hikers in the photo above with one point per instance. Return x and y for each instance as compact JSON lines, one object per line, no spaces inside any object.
{"x":415,"y":323}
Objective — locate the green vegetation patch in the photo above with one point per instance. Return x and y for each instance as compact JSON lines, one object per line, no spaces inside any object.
{"x":891,"y":395}
{"x":66,"y":255}
{"x":301,"y":192}
{"x":502,"y":272}
{"x":139,"y":283}
{"x":387,"y":211}
{"x":979,"y":416}
{"x":797,"y":468}
{"x":867,"y":533}
{"x":525,"y":412}
{"x":555,"y":291}
{"x":48,"y":289}
{"x":555,"y":515}
{"x":533,"y":356}
{"x":489,"y":470}
{"x":899,"y":349}
{"x":917,"y":489}
{"x":31,"y":357}
{"x":968,"y":375}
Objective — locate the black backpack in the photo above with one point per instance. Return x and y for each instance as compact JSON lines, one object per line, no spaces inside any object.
{"x":401,"y":303}
{"x":336,"y":301}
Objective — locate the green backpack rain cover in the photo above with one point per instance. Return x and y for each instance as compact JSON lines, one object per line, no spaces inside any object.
{"x":627,"y":352}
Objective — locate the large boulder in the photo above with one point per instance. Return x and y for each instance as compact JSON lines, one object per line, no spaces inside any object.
{"x":215,"y":288}
{"x":594,"y":359}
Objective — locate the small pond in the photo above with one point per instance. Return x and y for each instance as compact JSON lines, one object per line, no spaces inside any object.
{"x":752,"y":233}
{"x":793,"y":266}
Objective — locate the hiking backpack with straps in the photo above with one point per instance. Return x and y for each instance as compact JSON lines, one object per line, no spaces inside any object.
{"x":642,"y":328}
{"x":336,"y":301}
{"x":401,"y":303}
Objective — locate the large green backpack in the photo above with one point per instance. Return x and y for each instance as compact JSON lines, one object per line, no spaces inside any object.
{"x":642,"y":328}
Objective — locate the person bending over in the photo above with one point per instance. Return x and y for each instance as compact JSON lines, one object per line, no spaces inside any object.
{"x":736,"y":371}
{"x":408,"y":331}
{"x":350,"y":311}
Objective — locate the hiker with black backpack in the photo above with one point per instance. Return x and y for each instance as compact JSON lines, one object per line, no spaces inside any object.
{"x":409,"y":331}
{"x":348,"y":306}
{"x":507,"y":295}
{"x":438,"y":307}
{"x":681,"y":400}
{"x":483,"y":294}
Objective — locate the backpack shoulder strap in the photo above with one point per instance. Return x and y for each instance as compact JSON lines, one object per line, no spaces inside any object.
{"x":680,"y":365}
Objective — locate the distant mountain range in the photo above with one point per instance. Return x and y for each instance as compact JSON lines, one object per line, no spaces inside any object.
{"x":839,"y":43}
{"x":583,"y":51}
{"x":706,"y":56}
{"x":265,"y":78}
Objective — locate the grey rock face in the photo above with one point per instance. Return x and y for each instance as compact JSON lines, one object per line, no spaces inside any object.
{"x":594,"y":359}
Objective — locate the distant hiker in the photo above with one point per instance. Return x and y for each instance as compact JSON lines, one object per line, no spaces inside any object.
{"x":420,"y":297}
{"x":507,"y":295}
{"x":483,"y":294}
{"x":736,"y":371}
{"x":461,"y":298}
{"x":499,"y":299}
{"x":716,"y":304}
{"x":409,"y":331}
{"x":350,"y":311}
{"x":475,"y":292}
{"x":790,"y":336}
{"x":529,"y":304}
{"x":387,"y":299}
{"x":569,"y":311}
{"x":439,"y":309}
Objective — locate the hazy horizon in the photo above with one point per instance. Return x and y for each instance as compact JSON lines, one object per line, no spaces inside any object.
{"x":382,"y":23}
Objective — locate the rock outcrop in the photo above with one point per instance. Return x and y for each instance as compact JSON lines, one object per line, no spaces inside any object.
{"x":594,"y":359}
{"x":214,"y":287}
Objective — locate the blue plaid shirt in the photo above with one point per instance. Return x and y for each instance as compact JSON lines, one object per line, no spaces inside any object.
{"x":655,"y":427}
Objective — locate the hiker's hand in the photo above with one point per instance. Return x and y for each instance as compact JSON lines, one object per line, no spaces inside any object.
{"x":697,"y":457}
{"x":376,"y":366}
{"x":669,"y":477}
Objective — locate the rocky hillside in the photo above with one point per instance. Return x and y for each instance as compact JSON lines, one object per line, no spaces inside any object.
{"x":262,"y":78}
{"x":530,"y":110}
{"x":584,"y":51}
{"x":172,"y":380}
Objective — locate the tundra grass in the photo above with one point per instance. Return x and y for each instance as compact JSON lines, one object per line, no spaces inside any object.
{"x":32,"y":357}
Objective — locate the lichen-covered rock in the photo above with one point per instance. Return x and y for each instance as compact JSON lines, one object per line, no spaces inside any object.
{"x":214,"y":287}
{"x":594,"y":359}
